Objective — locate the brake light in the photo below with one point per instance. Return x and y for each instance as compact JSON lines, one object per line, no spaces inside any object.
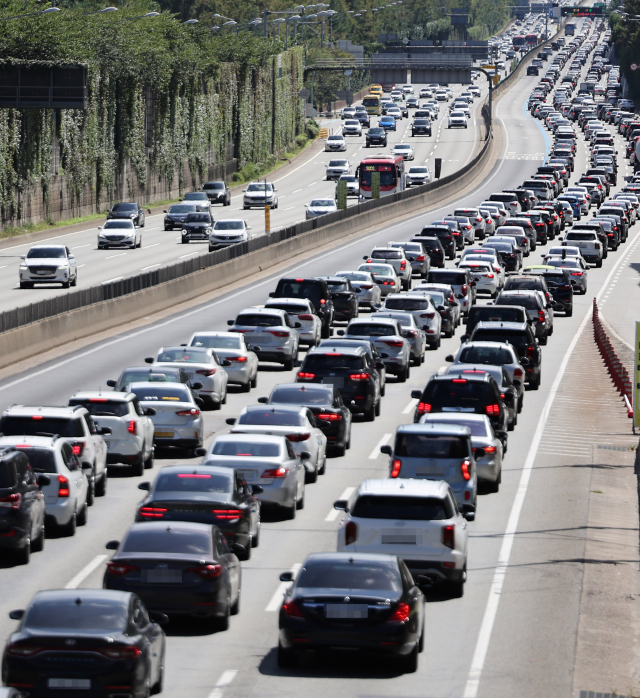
{"x":350,"y":533}
{"x":12,"y":501}
{"x":449,"y":536}
{"x":367,"y":287}
{"x":419,"y":258}
{"x":78,"y":448}
{"x":424,"y":408}
{"x":401,"y":614}
{"x":122,"y":652}
{"x":193,"y":412}
{"x":403,"y":264}
{"x":23,"y":650}
{"x":207,"y":571}
{"x":531,"y":350}
{"x":517,"y":373}
{"x":465,"y":469}
{"x":278,"y":333}
{"x":238,"y":359}
{"x":493,"y":410}
{"x":429,"y":316}
{"x":359,"y":376}
{"x":132,"y":426}
{"x":322,"y":301}
{"x":207,"y":372}
{"x":576,"y":273}
{"x":305,"y":316}
{"x":393,"y":343}
{"x":329,"y":417}
{"x":63,"y":486}
{"x":464,"y":289}
{"x":37,"y":417}
{"x":275,"y":472}
{"x":541,"y":316}
{"x":490,"y":449}
{"x":488,"y":276}
{"x":119,"y":569}
{"x":152,"y":512}
{"x":292,"y":610}
{"x":395,"y":468}
{"x":98,"y":399}
{"x":306,"y":376}
{"x":298,"y":437}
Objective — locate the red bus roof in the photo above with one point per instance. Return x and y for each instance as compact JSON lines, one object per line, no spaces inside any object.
{"x":382,"y":159}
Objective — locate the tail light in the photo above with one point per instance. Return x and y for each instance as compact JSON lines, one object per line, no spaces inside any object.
{"x":517,"y":373}
{"x":490,"y":449}
{"x":401,"y":614}
{"x":464,"y":289}
{"x":63,"y":486}
{"x":403,"y":264}
{"x":23,"y":650}
{"x":393,"y":343}
{"x":292,"y":610}
{"x":410,"y":333}
{"x":395,"y":468}
{"x":541,"y":316}
{"x":350,"y":533}
{"x":329,"y":417}
{"x":279,"y":333}
{"x":322,"y":301}
{"x":121,"y":652}
{"x":419,"y":258}
{"x":359,"y":376}
{"x":367,"y":287}
{"x":576,"y":273}
{"x":193,"y":412}
{"x":493,"y":410}
{"x":132,"y":426}
{"x":531,"y":350}
{"x":207,"y":571}
{"x":429,"y":316}
{"x":488,"y":276}
{"x":206,"y":372}
{"x":465,"y":469}
{"x":424,"y":408}
{"x":238,"y":359}
{"x":305,"y":316}
{"x":275,"y":472}
{"x":152,"y":512}
{"x":295,"y":438}
{"x":12,"y":501}
{"x":306,"y":376}
{"x":449,"y":536}
{"x":78,"y":448}
{"x":119,"y":569}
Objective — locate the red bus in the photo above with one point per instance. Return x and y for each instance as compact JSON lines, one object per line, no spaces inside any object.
{"x":391,"y":169}
{"x":531,"y":40}
{"x":518,"y":42}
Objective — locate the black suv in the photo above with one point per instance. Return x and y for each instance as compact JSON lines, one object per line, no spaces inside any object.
{"x":218,"y":192}
{"x":127,"y":211}
{"x":421,"y":126}
{"x":376,"y":136}
{"x":351,"y":370}
{"x":325,"y":401}
{"x":558,"y":283}
{"x":521,"y":336}
{"x":443,"y":233}
{"x":433,"y":247}
{"x":527,"y":282}
{"x":478,"y":393}
{"x":344,"y":297}
{"x":376,"y":356}
{"x":196,"y":226}
{"x":315,"y":290}
{"x":493,"y":313}
{"x":22,"y":510}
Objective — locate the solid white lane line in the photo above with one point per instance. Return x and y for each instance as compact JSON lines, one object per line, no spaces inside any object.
{"x":4,"y":266}
{"x":410,"y":407}
{"x":276,"y":599}
{"x":120,"y":254}
{"x":155,"y":244}
{"x":376,"y":451}
{"x":151,"y":266}
{"x":86,"y":571}
{"x":334,"y":513}
{"x":182,"y":256}
{"x":223,"y":682}
{"x":117,"y":278}
{"x":77,"y":247}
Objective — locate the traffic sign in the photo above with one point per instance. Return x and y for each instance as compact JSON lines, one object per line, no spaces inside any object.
{"x":582,"y":11}
{"x":634,"y":66}
{"x":304,"y":93}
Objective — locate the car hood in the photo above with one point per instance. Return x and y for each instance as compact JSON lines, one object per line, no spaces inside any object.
{"x":217,"y":498}
{"x":45,"y":261}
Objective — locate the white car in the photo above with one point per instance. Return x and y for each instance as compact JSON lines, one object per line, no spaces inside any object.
{"x":232,"y":347}
{"x":229,"y":231}
{"x":65,"y":497}
{"x":385,"y":277}
{"x":475,"y":90}
{"x":404,"y":149}
{"x":177,"y":418}
{"x":46,"y":264}
{"x":499,"y":208}
{"x":353,"y":186}
{"x":369,"y":294}
{"x":457,"y":119}
{"x":395,"y":112}
{"x":562,"y":251}
{"x":425,"y":92}
{"x":407,"y":89}
{"x":442,"y":96}
{"x":417,"y":520}
{"x":319,"y":207}
{"x":418,"y":174}
{"x":348,"y":112}
{"x":424,"y":312}
{"x":336,"y":168}
{"x":202,"y":366}
{"x":260,"y":194}
{"x":351,"y":127}
{"x":298,"y":424}
{"x":396,"y":257}
{"x":335,"y":143}
{"x":475,"y":218}
{"x":119,"y":233}
{"x":131,"y":439}
{"x":588,"y":243}
{"x":487,"y":281}
{"x":300,"y":310}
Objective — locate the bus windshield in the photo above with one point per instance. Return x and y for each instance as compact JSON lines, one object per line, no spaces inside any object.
{"x":387,"y":175}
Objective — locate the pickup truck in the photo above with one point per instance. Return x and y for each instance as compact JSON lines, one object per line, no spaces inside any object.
{"x":588,"y":243}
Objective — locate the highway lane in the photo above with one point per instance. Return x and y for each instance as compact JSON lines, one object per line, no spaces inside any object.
{"x":297,"y":184}
{"x":196,"y":664}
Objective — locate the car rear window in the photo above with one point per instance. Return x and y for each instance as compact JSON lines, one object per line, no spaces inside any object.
{"x":528,"y":302}
{"x":515,"y":338}
{"x":447,"y":277}
{"x":259,"y":320}
{"x":439,"y":232}
{"x":398,"y":507}
{"x":246,"y":448}
{"x":8,"y":475}
{"x":459,"y":392}
{"x":430,"y":446}
{"x":304,"y":288}
{"x":169,"y":540}
{"x":103,"y":407}
{"x":489,"y":314}
{"x":580,"y":236}
{"x":302,"y":395}
{"x":163,"y":376}
{"x":39,"y":424}
{"x":371,"y":329}
{"x":527,"y":284}
{"x":168,"y":393}
{"x":271,"y":417}
{"x":406,"y":304}
{"x":290,"y":308}
{"x":385,"y":254}
{"x":69,"y":616}
{"x":333,"y":361}
{"x":494,"y":356}
{"x":193,"y":481}
{"x":190,"y":355}
{"x":215,"y":342}
{"x":330,"y":574}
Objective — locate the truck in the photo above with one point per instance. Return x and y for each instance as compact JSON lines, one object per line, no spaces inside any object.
{"x":569,"y":29}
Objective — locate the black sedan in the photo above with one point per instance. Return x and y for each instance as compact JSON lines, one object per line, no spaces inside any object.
{"x":197,"y":226}
{"x":344,"y":297}
{"x":178,"y":568}
{"x":355,"y":601}
{"x":87,"y":642}
{"x":376,"y":136}
{"x":325,"y":401}
{"x":129,"y":211}
{"x":433,"y":247}
{"x":205,"y":494}
{"x":218,"y":192}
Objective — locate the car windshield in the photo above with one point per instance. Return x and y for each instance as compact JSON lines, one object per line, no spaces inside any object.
{"x":184,"y":356}
{"x":41,"y":425}
{"x":193,"y":481}
{"x":42,"y":460}
{"x":494,"y":356}
{"x":102,"y":406}
{"x":259,"y":320}
{"x":459,"y":393}
{"x":406,"y":303}
{"x":182,"y":208}
{"x":246,"y":448}
{"x":47,"y":253}
{"x":302,"y":395}
{"x":125,"y":208}
{"x":402,"y":508}
{"x":348,"y":178}
{"x":212,"y":341}
{"x":365,"y":576}
{"x":376,"y":131}
{"x":168,"y":393}
{"x":430,"y":446}
{"x":214,"y":185}
{"x":333,"y":361}
{"x":128,"y":225}
{"x":337,"y":163}
{"x":196,"y":196}
{"x":68,"y":616}
{"x":569,"y":263}
{"x":371,"y":329}
{"x":229,"y":225}
{"x":150,"y":375}
{"x":418,"y":170}
{"x":437,"y":298}
{"x":322,"y":203}
{"x":301,"y":288}
{"x":335,"y":138}
{"x":272,"y":417}
{"x":169,"y":540}
{"x":477,"y":427}
{"x":339,"y":286}
{"x":581,"y":236}
{"x":402,"y":146}
{"x":448,"y":277}
{"x":514,"y":337}
{"x":198,"y":218}
{"x":386,"y":254}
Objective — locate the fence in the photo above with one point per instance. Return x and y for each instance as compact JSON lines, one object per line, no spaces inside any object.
{"x":617,"y":370}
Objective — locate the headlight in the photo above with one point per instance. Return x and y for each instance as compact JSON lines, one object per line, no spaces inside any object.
{"x":100,"y":235}
{"x":24,"y":267}
{"x":133,"y":215}
{"x":63,"y":267}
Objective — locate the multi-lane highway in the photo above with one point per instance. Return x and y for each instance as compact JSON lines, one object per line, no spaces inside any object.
{"x":297,"y":183}
{"x":513,"y":633}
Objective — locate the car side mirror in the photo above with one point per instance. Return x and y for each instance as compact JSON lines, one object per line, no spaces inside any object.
{"x":18,"y":614}
{"x":440,"y":308}
{"x":149,"y":360}
{"x":159,"y":618}
{"x":341,"y":505}
{"x":230,"y":421}
{"x":199,"y":401}
{"x":450,"y":358}
{"x":263,"y":400}
{"x":201,"y":452}
{"x":469,"y":512}
{"x":340,"y":333}
{"x":305,"y":455}
{"x":105,"y":431}
{"x":387,"y":450}
{"x":272,"y":294}
{"x":297,"y":325}
{"x":524,"y":361}
{"x":464,"y":338}
{"x":225,"y":363}
{"x":416,"y":394}
{"x":238,"y":550}
{"x":197,"y":386}
{"x":165,"y":212}
{"x":111,"y":383}
{"x":230,"y":322}
{"x":144,"y":486}
{"x":112,"y":545}
{"x":286,"y":577}
{"x":424,"y":581}
{"x":503,"y":436}
{"x":99,"y":228}
{"x":43,"y":480}
{"x":479,"y":453}
{"x":23,"y":256}
{"x":256,"y":489}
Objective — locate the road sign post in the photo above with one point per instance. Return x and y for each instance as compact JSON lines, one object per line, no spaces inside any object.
{"x":267,"y":219}
{"x":375,"y":185}
{"x":342,"y":194}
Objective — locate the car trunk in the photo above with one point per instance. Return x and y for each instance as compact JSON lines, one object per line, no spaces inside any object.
{"x":167,"y":418}
{"x":362,"y":610}
{"x":384,"y":536}
{"x":160,"y":571}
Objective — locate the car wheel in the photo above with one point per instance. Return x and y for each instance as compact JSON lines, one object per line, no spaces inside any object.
{"x":568,"y":312}
{"x":82,"y":517}
{"x":543,"y":340}
{"x":326,"y":332}
{"x":323,"y":468}
{"x":287,"y":658}
{"x":69,"y":529}
{"x":534,"y":383}
{"x":457,"y":588}
{"x":378,"y":407}
{"x":246,"y":387}
{"x":66,"y":284}
{"x":149,"y":461}
{"x":223,"y":401}
{"x":311,"y":477}
{"x":23,"y":554}
{"x":235,"y":609}
{"x":421,"y":641}
{"x":288,"y":364}
{"x":91,"y":493}
{"x":75,"y":280}
{"x":166,"y":227}
{"x":101,"y":487}
{"x":300,"y":502}
{"x":38,"y":544}
{"x":137,"y":467}
{"x":291,"y":511}
{"x":222,"y":623}
{"x":403,"y":375}
{"x":185,"y":241}
{"x":410,"y":662}
{"x":255,"y":539}
{"x":254,"y":381}
{"x":339,"y":451}
{"x":158,"y":686}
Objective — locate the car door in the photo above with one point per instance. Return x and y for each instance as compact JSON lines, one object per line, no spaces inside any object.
{"x":230,"y":562}
{"x":73,"y":265}
{"x":297,"y":467}
{"x":99,"y":446}
{"x":244,"y":495}
{"x":318,"y":436}
{"x":32,"y":497}
{"x":145,"y":423}
{"x":75,"y":474}
{"x":150,"y":638}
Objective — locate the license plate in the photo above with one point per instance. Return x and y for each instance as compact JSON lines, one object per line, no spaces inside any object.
{"x":162,"y":576}
{"x":428,"y":471}
{"x":398,"y":539}
{"x":458,"y":409}
{"x":346,"y":610}
{"x":338,"y":381}
{"x":82,"y":684}
{"x":247,"y":474}
{"x":164,"y":434}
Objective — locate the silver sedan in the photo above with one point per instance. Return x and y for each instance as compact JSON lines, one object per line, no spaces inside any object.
{"x":232,"y":347}
{"x":369,"y":293}
{"x":385,"y":277}
{"x":267,"y":461}
{"x":411,"y":331}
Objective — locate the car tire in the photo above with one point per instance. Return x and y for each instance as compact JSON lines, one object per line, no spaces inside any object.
{"x":221,"y":623}
{"x":599,"y":264}
{"x":568,"y":312}
{"x":339,"y":451}
{"x":235,"y":608}
{"x":167,"y":228}
{"x":323,"y":468}
{"x":69,"y":529}
{"x":81,"y":519}
{"x":158,"y":686}
{"x":290,"y":512}
{"x":23,"y":554}
{"x":149,"y":460}
{"x":326,"y":332}
{"x":410,"y":662}
{"x":91,"y":493}
{"x":26,"y":284}
{"x":101,"y":487}
{"x":255,"y":539}
{"x":311,"y":477}
{"x":287,"y":658}
{"x":66,"y":284}
{"x":38,"y":544}
{"x":137,"y":467}
{"x":288,"y":364}
{"x":75,"y":280}
{"x":456,"y":589}
{"x":185,"y":241}
{"x":378,"y":407}
{"x":403,"y":375}
{"x":543,"y":340}
{"x":300,"y":502}
{"x":254,"y":381}
{"x":534,"y":383}
{"x":246,"y":387}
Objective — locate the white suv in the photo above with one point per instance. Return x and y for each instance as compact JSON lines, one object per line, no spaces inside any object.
{"x":131,"y":438}
{"x":48,"y":264}
{"x":417,"y":520}
{"x":72,"y":423}
{"x":260,"y":194}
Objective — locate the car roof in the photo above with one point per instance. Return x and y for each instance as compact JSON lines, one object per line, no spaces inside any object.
{"x":39,"y":441}
{"x":99,"y":396}
{"x":250,"y":438}
{"x":57,"y":411}
{"x":351,"y":557}
{"x":445,"y":429}
{"x":301,"y":301}
{"x":404,"y":487}
{"x":266,"y":311}
{"x":386,"y":321}
{"x":214,"y":333}
{"x":351,"y":351}
{"x":275,"y":407}
{"x":85,"y":593}
{"x":497,"y":325}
